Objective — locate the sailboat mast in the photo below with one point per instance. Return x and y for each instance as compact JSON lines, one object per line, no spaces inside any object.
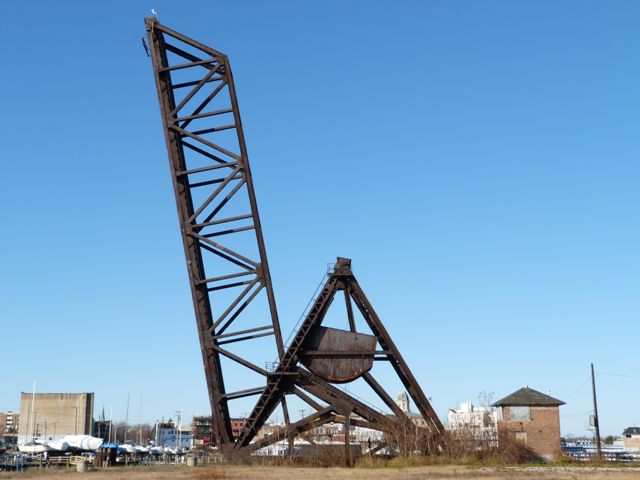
{"x":33,"y":411}
{"x":126,"y":420}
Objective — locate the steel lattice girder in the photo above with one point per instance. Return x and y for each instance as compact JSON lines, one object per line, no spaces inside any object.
{"x":199,"y":221}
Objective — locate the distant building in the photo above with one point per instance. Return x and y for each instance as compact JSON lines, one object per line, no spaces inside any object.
{"x":328,"y":433}
{"x":367,"y":436}
{"x":101,"y":429}
{"x":237,"y":424}
{"x":171,"y":435}
{"x":9,"y":424}
{"x":405,"y":405}
{"x":631,"y":439}
{"x":533,"y":418}
{"x":403,"y":402}
{"x":478,"y":423}
{"x":49,"y":416}
{"x":202,"y":430}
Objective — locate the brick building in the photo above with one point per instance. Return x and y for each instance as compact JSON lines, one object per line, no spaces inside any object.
{"x":237,"y":424}
{"x":532,"y":418}
{"x":9,"y":423}
{"x":202,"y":428}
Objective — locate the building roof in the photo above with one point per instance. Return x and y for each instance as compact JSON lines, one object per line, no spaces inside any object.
{"x":528,"y":396}
{"x":631,"y":431}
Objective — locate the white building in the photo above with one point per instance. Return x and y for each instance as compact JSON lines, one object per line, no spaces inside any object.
{"x":363,"y":435}
{"x":480,"y":422}
{"x":631,"y":439}
{"x":172,"y":436}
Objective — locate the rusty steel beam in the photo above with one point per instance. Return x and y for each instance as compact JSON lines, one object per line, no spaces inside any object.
{"x":382,"y":393}
{"x":400,"y":366}
{"x":278,"y":384}
{"x":342,"y":354}
{"x":343,"y":402}
{"x":305,"y":424}
{"x":212,"y":79}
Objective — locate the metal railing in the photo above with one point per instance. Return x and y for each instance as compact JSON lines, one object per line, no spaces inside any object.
{"x":273,"y":366}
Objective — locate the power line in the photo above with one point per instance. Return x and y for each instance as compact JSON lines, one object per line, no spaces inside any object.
{"x":576,"y":415}
{"x":567,"y":397}
{"x":619,"y":375}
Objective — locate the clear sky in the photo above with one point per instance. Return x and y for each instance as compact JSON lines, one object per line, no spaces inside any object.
{"x":478,"y":160}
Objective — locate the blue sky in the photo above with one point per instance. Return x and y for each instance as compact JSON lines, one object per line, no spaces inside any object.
{"x":477,"y":160}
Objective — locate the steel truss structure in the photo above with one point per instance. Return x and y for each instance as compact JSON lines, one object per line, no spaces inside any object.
{"x":196,"y":92}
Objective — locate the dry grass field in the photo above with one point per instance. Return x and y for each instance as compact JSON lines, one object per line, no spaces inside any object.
{"x":231,"y":472}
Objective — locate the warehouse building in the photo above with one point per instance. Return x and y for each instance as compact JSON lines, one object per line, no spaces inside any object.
{"x":49,"y":416}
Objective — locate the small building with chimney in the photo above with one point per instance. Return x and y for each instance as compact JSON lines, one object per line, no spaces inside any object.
{"x":532,"y":418}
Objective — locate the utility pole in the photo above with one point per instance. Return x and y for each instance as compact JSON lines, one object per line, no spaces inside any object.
{"x":596,"y":420}
{"x":178,"y":431}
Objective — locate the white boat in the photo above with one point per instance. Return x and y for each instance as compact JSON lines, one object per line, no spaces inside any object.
{"x":82,"y":442}
{"x":33,"y":448}
{"x":58,"y":446}
{"x":157,"y":451}
{"x":127,"y":448}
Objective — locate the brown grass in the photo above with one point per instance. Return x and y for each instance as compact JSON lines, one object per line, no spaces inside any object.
{"x":379,"y":472}
{"x":211,"y":474}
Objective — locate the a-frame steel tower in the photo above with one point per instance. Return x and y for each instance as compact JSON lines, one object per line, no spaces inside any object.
{"x":219,"y":221}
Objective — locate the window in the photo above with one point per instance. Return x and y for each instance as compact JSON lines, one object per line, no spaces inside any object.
{"x":521,"y":437}
{"x":520,"y":414}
